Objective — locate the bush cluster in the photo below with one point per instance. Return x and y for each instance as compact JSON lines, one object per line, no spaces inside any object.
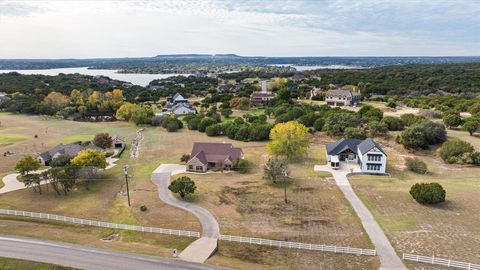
{"x":416,"y":165}
{"x":428,"y":193}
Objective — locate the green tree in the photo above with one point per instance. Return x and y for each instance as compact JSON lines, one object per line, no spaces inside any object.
{"x":289,"y":140}
{"x":183,"y":186}
{"x":354,"y":133}
{"x":376,"y":128}
{"x":226,"y":112}
{"x":452,"y":120}
{"x":472,"y":125}
{"x":27,"y":164}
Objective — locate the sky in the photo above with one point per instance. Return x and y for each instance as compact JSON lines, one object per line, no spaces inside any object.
{"x":93,"y":29}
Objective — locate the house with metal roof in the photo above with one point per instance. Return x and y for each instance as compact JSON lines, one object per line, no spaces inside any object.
{"x":367,"y":153}
{"x":205,"y":156}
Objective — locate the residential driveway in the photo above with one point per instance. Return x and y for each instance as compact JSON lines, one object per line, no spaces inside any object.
{"x":389,"y":259}
{"x":11,"y":183}
{"x":203,"y":248}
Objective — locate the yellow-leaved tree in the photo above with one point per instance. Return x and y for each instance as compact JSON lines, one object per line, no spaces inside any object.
{"x":289,"y":140}
{"x":90,"y":161}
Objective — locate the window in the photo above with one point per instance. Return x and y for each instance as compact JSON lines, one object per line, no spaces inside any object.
{"x":190,"y":167}
{"x":373,"y":167}
{"x":374,"y":157}
{"x":199,"y":168}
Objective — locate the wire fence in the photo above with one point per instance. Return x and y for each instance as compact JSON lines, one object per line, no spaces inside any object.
{"x":231,"y":238}
{"x":440,"y":261}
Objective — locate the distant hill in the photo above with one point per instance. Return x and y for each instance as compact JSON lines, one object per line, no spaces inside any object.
{"x":138,"y":64}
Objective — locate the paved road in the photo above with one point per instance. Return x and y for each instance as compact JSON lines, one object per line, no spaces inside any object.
{"x":203,"y":248}
{"x":389,"y":259}
{"x":82,"y":257}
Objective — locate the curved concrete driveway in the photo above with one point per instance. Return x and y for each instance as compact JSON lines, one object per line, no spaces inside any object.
{"x":82,"y":257}
{"x":389,"y":259}
{"x":203,"y":248}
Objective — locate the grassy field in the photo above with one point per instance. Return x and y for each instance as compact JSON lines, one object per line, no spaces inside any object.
{"x":244,"y":204}
{"x":448,"y":230}
{"x":12,"y":264}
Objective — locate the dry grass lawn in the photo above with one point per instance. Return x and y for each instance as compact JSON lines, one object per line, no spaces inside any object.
{"x":449,"y":230}
{"x":244,"y":204}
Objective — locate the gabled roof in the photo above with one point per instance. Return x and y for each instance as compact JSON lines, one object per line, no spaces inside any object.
{"x":215,"y":152}
{"x":341,"y":145}
{"x":341,"y":93}
{"x":368,"y":145}
{"x":67,"y":149}
{"x":178,"y":95}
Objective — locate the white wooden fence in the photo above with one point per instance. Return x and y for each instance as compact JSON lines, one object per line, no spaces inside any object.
{"x":297,"y":245}
{"x":248,"y":240}
{"x":440,"y":261}
{"x":99,"y":223}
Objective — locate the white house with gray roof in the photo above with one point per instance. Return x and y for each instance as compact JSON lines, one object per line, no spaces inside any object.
{"x":367,"y":153}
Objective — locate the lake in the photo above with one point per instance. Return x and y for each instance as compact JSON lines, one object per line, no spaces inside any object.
{"x":135,"y":78}
{"x":305,"y":68}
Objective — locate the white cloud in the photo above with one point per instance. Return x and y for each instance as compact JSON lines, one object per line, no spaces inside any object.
{"x":58,"y":29}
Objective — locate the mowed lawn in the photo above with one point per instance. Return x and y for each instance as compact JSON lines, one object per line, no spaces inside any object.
{"x":448,"y":230}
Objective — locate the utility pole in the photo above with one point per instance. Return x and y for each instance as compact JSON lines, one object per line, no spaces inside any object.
{"x":125,"y":170}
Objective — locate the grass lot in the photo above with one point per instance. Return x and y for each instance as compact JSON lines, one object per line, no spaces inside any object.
{"x":12,"y":264}
{"x":244,"y":204}
{"x":449,"y":230}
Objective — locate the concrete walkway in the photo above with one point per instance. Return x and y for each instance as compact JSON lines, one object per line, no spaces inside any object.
{"x":389,"y":259}
{"x":203,"y":248}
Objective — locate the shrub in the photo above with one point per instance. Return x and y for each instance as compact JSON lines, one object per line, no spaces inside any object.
{"x":336,"y":123}
{"x":422,"y":134}
{"x":416,"y":165}
{"x":243,"y":134}
{"x":453,"y":150}
{"x":143,"y":208}
{"x":354,"y":133}
{"x":452,"y":120}
{"x":371,"y":113}
{"x":376,"y":128}
{"x":410,"y":119}
{"x":428,"y":193}
{"x":109,"y":153}
{"x":318,"y":124}
{"x":214,"y":130}
{"x":193,"y":123}
{"x":241,"y":166}
{"x":392,"y":104}
{"x":171,"y":124}
{"x":204,"y":123}
{"x":393,"y":123}
{"x":184,"y":157}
